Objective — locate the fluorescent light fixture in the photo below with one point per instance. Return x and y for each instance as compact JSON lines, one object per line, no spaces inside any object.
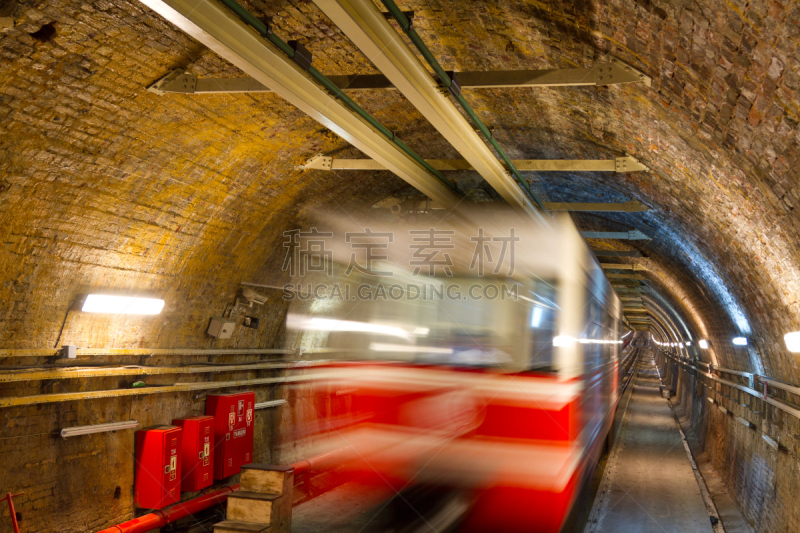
{"x":380,"y":347}
{"x":792,"y":341}
{"x":703,"y":344}
{"x":740,"y":341}
{"x":98,"y":428}
{"x":421,"y":331}
{"x":122,"y":305}
{"x":536,"y":317}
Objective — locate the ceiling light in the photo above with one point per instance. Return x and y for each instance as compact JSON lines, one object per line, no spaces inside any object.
{"x":688,"y":343}
{"x":792,"y":341}
{"x":122,"y":305}
{"x":703,"y":344}
{"x":740,"y":341}
{"x":98,"y":428}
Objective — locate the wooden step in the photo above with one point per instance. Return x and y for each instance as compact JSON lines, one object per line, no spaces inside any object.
{"x":233,"y":526}
{"x":256,"y":507}
{"x":269,"y":479}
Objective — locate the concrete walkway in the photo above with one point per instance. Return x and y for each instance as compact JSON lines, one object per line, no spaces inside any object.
{"x":649,"y":485}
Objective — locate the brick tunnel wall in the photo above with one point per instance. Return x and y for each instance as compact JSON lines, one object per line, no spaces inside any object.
{"x":104,"y":186}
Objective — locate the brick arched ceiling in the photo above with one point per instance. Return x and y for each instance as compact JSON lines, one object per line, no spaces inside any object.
{"x":107,"y":185}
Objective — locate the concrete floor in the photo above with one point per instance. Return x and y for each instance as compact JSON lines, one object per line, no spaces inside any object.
{"x":649,"y":485}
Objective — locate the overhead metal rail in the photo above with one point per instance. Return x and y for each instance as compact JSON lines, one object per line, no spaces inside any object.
{"x":622,"y":266}
{"x":237,"y":36}
{"x":612,"y":73}
{"x":370,"y":31}
{"x":619,"y":164}
{"x":625,"y":276}
{"x":634,"y":235}
{"x":399,"y":206}
{"x":615,"y":253}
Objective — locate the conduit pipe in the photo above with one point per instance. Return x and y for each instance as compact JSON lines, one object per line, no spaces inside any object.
{"x":249,"y":44}
{"x":161,"y":518}
{"x":367,"y":27}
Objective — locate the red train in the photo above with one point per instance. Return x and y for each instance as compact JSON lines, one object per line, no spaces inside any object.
{"x":506,"y":399}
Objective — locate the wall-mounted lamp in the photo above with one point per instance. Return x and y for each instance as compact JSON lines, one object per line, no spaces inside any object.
{"x":122,"y":305}
{"x":740,"y":341}
{"x":98,"y":428}
{"x":792,"y":341}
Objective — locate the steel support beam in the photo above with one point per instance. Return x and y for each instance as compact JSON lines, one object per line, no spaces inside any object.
{"x":613,"y":253}
{"x":612,"y":73}
{"x":620,"y":266}
{"x":367,"y":27}
{"x":626,"y":276}
{"x":619,"y":164}
{"x":634,"y":235}
{"x":215,"y":26}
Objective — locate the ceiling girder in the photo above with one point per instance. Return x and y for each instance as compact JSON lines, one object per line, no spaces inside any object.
{"x":178,"y":81}
{"x":622,"y":266}
{"x":368,"y":29}
{"x":619,"y":164}
{"x":614,"y":253}
{"x":215,"y":26}
{"x":634,"y":235}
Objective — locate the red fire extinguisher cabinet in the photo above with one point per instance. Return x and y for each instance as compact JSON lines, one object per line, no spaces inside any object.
{"x":197,"y":452}
{"x":158,"y":467}
{"x":233,"y":431}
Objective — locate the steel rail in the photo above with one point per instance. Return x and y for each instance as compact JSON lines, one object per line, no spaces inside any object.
{"x":405,"y":25}
{"x":237,"y":36}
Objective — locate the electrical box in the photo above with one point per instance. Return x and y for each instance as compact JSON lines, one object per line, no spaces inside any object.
{"x":233,"y":431}
{"x":221,"y":328}
{"x":197,"y":452}
{"x":158,"y":467}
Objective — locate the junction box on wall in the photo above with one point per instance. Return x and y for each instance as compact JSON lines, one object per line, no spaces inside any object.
{"x":158,"y":467}
{"x":234,"y":420}
{"x":197,"y":452}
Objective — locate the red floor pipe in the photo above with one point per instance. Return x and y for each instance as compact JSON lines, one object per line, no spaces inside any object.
{"x":172,"y":513}
{"x":175,"y":512}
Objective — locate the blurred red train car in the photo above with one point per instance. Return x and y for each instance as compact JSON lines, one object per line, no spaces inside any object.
{"x":500,"y":387}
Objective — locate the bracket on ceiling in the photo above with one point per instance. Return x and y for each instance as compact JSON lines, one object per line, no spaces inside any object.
{"x":611,"y":73}
{"x":176,"y":81}
{"x":619,"y":164}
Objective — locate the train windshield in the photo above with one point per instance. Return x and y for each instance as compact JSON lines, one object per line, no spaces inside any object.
{"x":458,"y":321}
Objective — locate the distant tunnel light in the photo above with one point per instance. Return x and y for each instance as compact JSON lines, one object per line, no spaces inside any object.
{"x":703,"y":344}
{"x":740,"y":341}
{"x":792,"y":341}
{"x":122,"y":305}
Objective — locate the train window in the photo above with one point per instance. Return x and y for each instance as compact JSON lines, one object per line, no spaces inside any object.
{"x":542,"y":325}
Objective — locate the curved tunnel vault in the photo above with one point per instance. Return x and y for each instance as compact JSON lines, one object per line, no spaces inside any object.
{"x":104,"y":184}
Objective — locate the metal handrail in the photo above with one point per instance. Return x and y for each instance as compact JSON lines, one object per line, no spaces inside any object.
{"x":763,"y":395}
